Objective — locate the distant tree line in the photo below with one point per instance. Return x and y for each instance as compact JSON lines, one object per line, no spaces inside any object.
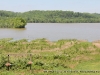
{"x":15,"y":19}
{"x":60,"y":17}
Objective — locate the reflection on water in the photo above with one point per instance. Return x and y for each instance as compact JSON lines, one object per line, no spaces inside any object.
{"x":54,"y":31}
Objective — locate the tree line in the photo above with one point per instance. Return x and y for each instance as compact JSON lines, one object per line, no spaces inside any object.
{"x":60,"y":17}
{"x":49,"y":16}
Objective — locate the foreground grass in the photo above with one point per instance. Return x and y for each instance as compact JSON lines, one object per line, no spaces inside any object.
{"x":71,"y":57}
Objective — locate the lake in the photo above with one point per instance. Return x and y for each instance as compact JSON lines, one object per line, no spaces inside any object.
{"x":54,"y":31}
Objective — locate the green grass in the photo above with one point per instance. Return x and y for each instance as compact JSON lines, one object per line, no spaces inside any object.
{"x":59,"y":56}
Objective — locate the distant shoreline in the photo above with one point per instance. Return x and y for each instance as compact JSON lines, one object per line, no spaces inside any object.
{"x":57,"y":16}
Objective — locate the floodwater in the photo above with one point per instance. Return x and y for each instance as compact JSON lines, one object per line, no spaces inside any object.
{"x":54,"y":31}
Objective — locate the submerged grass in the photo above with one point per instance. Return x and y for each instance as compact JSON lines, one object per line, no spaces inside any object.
{"x":58,"y":57}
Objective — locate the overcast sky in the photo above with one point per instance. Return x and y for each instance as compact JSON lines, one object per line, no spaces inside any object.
{"x":91,"y":6}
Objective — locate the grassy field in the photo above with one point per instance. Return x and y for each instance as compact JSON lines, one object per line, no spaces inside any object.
{"x":62,"y":57}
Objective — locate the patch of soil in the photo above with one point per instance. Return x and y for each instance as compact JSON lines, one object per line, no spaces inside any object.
{"x":96,"y":44}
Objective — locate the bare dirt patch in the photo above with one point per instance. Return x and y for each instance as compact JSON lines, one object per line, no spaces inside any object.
{"x":81,"y":57}
{"x":96,"y":44}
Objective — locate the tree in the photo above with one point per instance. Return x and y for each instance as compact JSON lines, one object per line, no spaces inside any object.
{"x":12,"y":23}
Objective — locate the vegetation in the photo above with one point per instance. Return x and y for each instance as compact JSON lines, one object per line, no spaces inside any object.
{"x":12,"y":23}
{"x":57,"y":16}
{"x":10,"y":19}
{"x":71,"y":57}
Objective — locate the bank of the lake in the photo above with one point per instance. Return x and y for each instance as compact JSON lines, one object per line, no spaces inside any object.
{"x":47,"y":56}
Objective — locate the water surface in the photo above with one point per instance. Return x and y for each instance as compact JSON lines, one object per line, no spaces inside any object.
{"x":54,"y":31}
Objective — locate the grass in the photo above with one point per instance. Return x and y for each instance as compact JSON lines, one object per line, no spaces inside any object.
{"x":58,"y":57}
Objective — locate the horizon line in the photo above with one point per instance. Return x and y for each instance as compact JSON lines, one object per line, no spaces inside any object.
{"x":47,"y":10}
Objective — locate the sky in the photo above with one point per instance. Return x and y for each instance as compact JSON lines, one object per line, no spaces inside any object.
{"x":90,"y":6}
